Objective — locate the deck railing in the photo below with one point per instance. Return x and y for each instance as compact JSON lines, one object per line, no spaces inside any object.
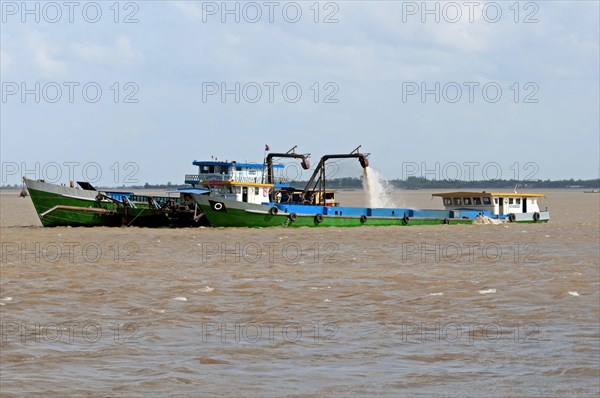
{"x":196,"y":178}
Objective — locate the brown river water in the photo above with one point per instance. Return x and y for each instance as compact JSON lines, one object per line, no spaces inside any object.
{"x":470,"y":311}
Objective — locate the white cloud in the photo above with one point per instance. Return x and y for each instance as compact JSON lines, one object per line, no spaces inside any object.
{"x":119,"y":53}
{"x":188,"y":8}
{"x":5,"y":61}
{"x":45,"y":55}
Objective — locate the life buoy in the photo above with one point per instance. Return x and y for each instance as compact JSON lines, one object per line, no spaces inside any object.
{"x":293,"y":216}
{"x":512,"y":217}
{"x":218,"y":206}
{"x":319,"y":218}
{"x":405,"y":219}
{"x":363,"y":219}
{"x":273,"y":210}
{"x":536,"y":216}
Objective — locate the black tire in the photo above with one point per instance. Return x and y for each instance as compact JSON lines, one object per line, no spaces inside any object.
{"x":405,"y":219}
{"x":293,"y":216}
{"x":512,"y":217}
{"x":273,"y":211}
{"x":536,"y":216}
{"x":363,"y":219}
{"x":319,"y":218}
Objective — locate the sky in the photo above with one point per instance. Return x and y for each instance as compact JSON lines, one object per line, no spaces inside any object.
{"x":124,"y":93}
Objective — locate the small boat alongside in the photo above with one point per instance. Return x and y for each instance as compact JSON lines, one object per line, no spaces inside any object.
{"x":512,"y":207}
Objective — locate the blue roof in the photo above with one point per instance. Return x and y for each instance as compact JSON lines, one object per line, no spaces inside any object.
{"x":118,"y":193}
{"x":216,"y":163}
{"x":199,"y":191}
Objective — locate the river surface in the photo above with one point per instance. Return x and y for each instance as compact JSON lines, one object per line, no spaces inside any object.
{"x":448,"y":310}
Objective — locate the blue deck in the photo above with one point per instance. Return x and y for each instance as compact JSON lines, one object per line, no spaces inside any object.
{"x":380,"y":212}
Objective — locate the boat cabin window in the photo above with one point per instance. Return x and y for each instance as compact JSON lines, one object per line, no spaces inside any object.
{"x":457,"y":201}
{"x":510,"y":201}
{"x":256,"y":190}
{"x":477,"y":201}
{"x":487,"y":201}
{"x":252,"y":172}
{"x":238,"y":168}
{"x":447,"y":202}
{"x":518,"y":201}
{"x":467,"y":201}
{"x":495,"y":200}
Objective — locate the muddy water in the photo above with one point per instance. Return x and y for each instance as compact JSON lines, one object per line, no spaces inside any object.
{"x":482,"y":310}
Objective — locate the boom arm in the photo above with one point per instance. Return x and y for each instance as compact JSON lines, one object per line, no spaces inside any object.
{"x":289,"y":154}
{"x":320,"y":169}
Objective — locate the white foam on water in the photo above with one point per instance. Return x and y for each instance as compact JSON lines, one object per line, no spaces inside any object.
{"x":6,"y":299}
{"x":481,"y":219}
{"x":205,"y":289}
{"x":179,"y":299}
{"x":574,"y":294}
{"x":436,"y":294}
{"x":379,"y":192}
{"x":487,"y":291}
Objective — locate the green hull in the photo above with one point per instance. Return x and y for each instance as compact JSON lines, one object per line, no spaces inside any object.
{"x":45,"y":201}
{"x":238,"y":214}
{"x":241,"y":218}
{"x":80,"y":208}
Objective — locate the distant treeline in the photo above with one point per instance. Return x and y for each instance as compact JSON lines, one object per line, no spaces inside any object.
{"x":423,"y":183}
{"x":409,"y":183}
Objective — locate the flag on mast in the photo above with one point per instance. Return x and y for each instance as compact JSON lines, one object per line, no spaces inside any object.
{"x":266,"y":147}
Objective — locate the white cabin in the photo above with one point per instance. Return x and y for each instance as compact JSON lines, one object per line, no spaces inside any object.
{"x":242,"y":182}
{"x":495,"y":202}
{"x":239,"y":191}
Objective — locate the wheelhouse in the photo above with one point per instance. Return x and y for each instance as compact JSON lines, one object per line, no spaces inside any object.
{"x":243,"y":182}
{"x":211,"y":171}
